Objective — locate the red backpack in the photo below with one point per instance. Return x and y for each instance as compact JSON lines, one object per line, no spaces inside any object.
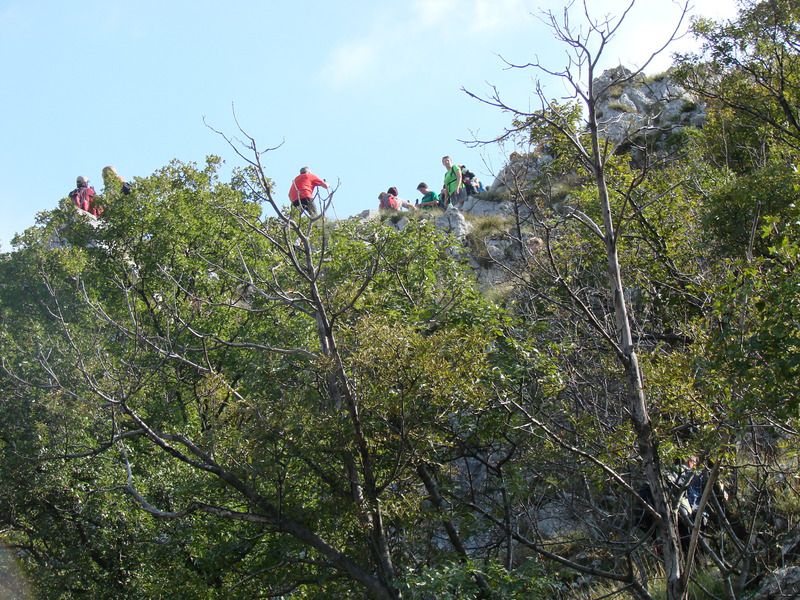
{"x":389,"y":202}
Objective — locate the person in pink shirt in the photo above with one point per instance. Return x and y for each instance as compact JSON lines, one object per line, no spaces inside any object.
{"x":389,"y":200}
{"x":301,"y":192}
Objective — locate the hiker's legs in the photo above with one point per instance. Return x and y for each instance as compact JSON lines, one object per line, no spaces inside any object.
{"x":308,"y":206}
{"x":295,"y":211}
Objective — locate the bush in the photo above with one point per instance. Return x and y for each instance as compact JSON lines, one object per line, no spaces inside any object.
{"x":457,"y":580}
{"x":483,"y":228}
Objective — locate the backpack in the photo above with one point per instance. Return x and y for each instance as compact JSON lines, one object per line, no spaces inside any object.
{"x":467,"y":177}
{"x":389,"y":202}
{"x":81,"y":197}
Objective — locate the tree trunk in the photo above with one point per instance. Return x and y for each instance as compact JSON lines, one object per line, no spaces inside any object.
{"x":668,"y":534}
{"x":365,"y":495}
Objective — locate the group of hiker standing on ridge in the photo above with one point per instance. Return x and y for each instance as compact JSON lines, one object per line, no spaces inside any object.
{"x":458,"y":184}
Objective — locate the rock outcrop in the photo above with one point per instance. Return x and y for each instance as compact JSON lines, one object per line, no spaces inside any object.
{"x":783,"y":583}
{"x":482,"y":205}
{"x":631,"y":109}
{"x":630,"y":106}
{"x":453,"y":222}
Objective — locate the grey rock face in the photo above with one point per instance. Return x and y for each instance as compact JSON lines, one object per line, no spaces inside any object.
{"x":783,"y":583}
{"x":401,"y":224}
{"x":453,"y":221}
{"x":555,"y":519}
{"x":77,"y":215}
{"x":518,"y":174}
{"x":368,"y":214}
{"x":631,"y":105}
{"x":497,"y":249}
{"x":628,"y":108}
{"x":479,"y":207}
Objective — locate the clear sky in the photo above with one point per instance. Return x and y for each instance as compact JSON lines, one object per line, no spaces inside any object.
{"x":365,"y":93}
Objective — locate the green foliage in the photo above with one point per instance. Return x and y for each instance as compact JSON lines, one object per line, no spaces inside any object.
{"x":542,"y":128}
{"x":271,"y":391}
{"x":755,"y":340}
{"x":656,"y":77}
{"x":752,"y":212}
{"x":484,"y":228}
{"x":456,"y":581}
{"x":620,"y":106}
{"x":187,"y":315}
{"x":752,"y":66}
{"x":714,"y":364}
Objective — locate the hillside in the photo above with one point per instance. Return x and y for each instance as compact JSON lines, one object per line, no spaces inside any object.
{"x":581,"y":383}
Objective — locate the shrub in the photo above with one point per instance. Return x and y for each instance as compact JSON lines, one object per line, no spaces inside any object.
{"x":620,"y":107}
{"x":483,"y":228}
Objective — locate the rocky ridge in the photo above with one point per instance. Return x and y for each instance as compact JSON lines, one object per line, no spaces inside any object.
{"x":632,"y":110}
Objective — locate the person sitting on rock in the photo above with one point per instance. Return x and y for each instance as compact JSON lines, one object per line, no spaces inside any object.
{"x":84,"y":197}
{"x":430,"y":199}
{"x":470,"y":181}
{"x":389,"y":200}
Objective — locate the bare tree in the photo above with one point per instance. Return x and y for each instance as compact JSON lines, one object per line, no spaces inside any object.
{"x":586,"y":46}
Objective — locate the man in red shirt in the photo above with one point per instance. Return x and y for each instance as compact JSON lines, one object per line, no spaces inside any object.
{"x":301,"y":192}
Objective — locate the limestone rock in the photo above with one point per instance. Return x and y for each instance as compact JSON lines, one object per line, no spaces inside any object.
{"x":401,"y":223}
{"x":496,"y":249}
{"x":781,"y":584}
{"x":453,"y":221}
{"x":479,"y":206}
{"x":368,"y":214}
{"x":790,"y":548}
{"x":555,"y":519}
{"x":629,"y":106}
{"x":518,"y":174}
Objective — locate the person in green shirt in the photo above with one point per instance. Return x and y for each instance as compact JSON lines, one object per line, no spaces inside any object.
{"x":429,"y":198}
{"x":453,"y":190}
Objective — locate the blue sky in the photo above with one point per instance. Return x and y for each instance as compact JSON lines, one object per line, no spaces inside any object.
{"x":366,"y":93}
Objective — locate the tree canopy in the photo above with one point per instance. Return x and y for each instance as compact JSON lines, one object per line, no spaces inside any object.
{"x":208,"y":393}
